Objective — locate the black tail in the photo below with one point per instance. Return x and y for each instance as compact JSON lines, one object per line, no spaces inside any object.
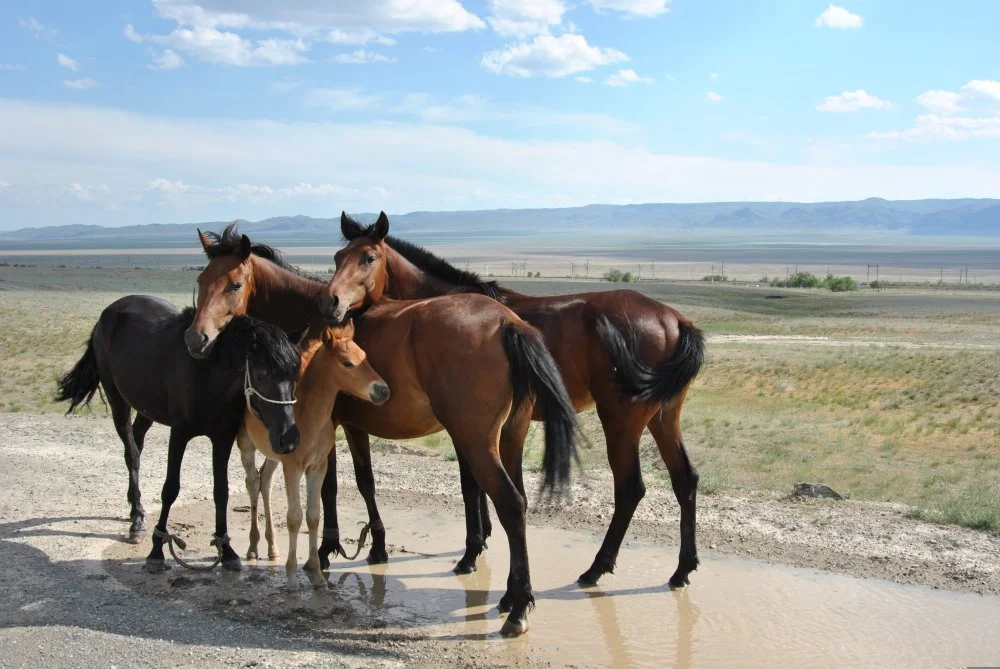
{"x":80,"y":383}
{"x":533,"y":371}
{"x":654,"y":384}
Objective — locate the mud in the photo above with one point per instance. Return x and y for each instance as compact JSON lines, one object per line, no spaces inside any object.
{"x":76,"y":595}
{"x":744,"y":611}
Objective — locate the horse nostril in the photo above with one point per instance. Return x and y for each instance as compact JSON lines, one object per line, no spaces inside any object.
{"x":380,"y":393}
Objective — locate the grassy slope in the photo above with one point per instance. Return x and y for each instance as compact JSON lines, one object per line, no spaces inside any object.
{"x":920,"y":426}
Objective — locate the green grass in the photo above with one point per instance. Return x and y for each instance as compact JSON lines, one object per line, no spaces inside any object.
{"x":917,"y":426}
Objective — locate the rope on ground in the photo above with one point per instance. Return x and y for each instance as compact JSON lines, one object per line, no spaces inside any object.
{"x":171,"y":539}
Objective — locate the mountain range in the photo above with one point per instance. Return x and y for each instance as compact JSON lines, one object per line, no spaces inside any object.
{"x":950,"y":218}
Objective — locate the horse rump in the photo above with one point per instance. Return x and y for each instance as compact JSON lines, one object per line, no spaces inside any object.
{"x":80,"y":384}
{"x":655,"y":384}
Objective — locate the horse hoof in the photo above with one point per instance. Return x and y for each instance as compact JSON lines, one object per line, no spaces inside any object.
{"x":463,"y":568}
{"x":252,"y":555}
{"x":135,"y":536}
{"x":156,"y":565}
{"x":377,"y":557}
{"x":232,"y":565}
{"x":514,"y":628}
{"x":587,"y":579}
{"x":678,"y":581}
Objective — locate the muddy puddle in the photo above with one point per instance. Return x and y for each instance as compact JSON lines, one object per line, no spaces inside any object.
{"x":736,"y":612}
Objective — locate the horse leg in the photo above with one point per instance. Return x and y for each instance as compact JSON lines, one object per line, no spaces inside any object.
{"x":266,"y":478}
{"x":293,"y":476}
{"x":361,"y":454}
{"x":475,"y":501}
{"x":140,"y":426}
{"x":622,"y":429}
{"x":171,"y":488}
{"x":488,"y":470}
{"x":331,"y":529}
{"x":666,"y":429}
{"x":314,"y":480}
{"x":121,"y":414}
{"x":222,"y":449}
{"x":248,"y":458}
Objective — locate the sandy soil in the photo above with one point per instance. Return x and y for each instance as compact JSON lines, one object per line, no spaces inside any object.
{"x":74,"y":594}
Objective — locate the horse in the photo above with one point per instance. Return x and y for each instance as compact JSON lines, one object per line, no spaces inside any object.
{"x":331,"y":363}
{"x":465,"y":364}
{"x":136,"y":353}
{"x":631,"y":356}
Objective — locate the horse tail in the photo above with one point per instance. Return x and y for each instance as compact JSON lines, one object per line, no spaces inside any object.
{"x":656,"y":384}
{"x":80,"y":383}
{"x":534,"y":372}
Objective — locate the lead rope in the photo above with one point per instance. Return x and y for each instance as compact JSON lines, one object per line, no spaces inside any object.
{"x":171,"y":539}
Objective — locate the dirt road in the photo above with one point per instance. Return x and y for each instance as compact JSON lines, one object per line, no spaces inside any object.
{"x":75,"y":594}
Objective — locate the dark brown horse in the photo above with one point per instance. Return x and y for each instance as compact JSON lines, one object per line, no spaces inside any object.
{"x":137,"y":354}
{"x":631,"y":356}
{"x":464,"y":363}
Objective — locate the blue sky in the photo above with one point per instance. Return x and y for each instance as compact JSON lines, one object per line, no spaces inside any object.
{"x":194,"y":110}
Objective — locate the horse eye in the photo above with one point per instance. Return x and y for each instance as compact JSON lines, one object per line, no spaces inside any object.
{"x":348,"y":364}
{"x":236,"y":286}
{"x":370,"y":260}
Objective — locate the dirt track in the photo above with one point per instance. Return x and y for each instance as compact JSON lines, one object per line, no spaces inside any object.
{"x":75,"y":595}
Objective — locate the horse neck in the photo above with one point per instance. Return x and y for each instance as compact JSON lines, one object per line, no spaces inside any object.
{"x":406,"y":281}
{"x":316,"y":390}
{"x":282,"y":297}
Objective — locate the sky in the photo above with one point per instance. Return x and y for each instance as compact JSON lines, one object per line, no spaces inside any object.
{"x":166,"y":111}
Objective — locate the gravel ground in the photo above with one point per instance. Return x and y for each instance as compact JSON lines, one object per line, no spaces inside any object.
{"x":71,"y":599}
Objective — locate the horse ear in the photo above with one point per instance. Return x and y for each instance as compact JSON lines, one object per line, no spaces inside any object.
{"x":381,"y":228}
{"x":245,"y":247}
{"x":206,"y":243}
{"x":349,"y":228}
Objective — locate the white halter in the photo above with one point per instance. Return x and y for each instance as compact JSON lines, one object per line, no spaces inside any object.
{"x":249,"y":391}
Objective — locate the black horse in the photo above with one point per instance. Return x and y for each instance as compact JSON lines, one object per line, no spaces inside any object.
{"x":136,"y":352}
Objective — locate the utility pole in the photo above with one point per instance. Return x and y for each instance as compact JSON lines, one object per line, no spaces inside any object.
{"x":586,"y":269}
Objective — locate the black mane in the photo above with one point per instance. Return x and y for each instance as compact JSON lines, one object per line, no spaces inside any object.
{"x":426,"y":261}
{"x":246,"y":338}
{"x":229,"y":241}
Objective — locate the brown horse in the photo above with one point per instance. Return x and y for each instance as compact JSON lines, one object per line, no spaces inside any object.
{"x":331,"y":363}
{"x":631,"y":356}
{"x":465,"y":364}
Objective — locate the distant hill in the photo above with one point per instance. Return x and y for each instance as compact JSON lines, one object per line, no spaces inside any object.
{"x":953,"y":218}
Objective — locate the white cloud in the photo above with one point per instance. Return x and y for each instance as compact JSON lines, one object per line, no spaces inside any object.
{"x":645,"y":8}
{"x":584,"y":80}
{"x":168,"y":60}
{"x":944,"y":102}
{"x":230,"y":49}
{"x":304,"y":17}
{"x":466,"y":109}
{"x":11,"y":67}
{"x":340,"y":99}
{"x":67,"y":62}
{"x":985,"y":88}
{"x":852,"y":101}
{"x":251,"y":193}
{"x":971,"y":112}
{"x":418,"y":166}
{"x":362,"y":56}
{"x":837,"y":17}
{"x":358,"y":38}
{"x":713,"y":76}
{"x":131,"y":35}
{"x":285,"y":85}
{"x":626,"y":78}
{"x":523,"y":18}
{"x":550,"y":56}
{"x":714,"y":97}
{"x":81,"y":84}
{"x":37,"y":30}
{"x":5,"y":186}
{"x":89,"y":193}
